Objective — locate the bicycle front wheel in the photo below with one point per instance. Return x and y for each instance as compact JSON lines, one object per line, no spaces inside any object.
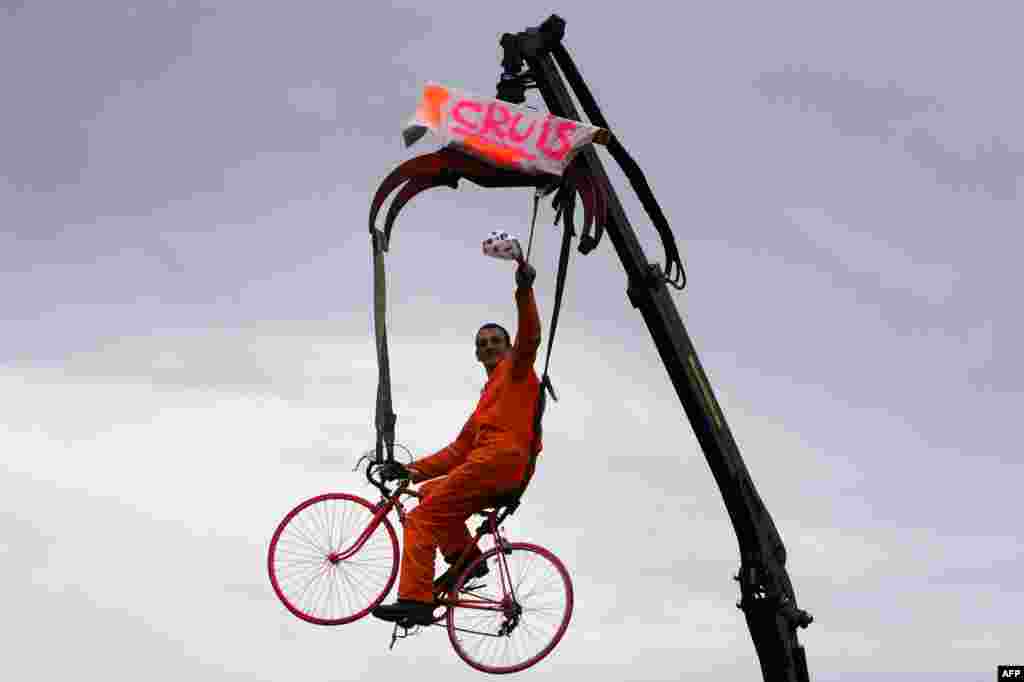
{"x":308,"y":566}
{"x":514,"y":616}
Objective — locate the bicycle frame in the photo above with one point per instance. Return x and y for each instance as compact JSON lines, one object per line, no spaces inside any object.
{"x":491,"y":525}
{"x":383,"y":508}
{"x":497,"y":596}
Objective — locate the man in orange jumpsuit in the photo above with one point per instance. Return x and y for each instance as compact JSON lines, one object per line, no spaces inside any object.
{"x":488,"y":459}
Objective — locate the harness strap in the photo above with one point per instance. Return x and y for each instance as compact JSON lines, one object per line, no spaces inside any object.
{"x":533,"y":224}
{"x":385,"y":417}
{"x":545,"y":383}
{"x":539,"y":194}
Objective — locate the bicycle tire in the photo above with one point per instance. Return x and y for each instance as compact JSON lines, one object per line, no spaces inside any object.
{"x":309,"y":537}
{"x":461,"y":617}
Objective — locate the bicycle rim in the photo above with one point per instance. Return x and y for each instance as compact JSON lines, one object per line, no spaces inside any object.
{"x":483,"y":626}
{"x":306,"y":572}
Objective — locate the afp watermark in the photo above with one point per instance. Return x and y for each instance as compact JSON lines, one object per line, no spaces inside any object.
{"x":1010,"y":672}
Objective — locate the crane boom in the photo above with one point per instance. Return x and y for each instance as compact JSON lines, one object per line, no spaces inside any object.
{"x":767,"y":598}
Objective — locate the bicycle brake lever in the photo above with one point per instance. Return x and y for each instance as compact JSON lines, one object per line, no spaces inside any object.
{"x":366,"y":455}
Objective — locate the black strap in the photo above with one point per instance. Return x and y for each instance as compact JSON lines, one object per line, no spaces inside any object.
{"x":545,"y":382}
{"x":533,"y":223}
{"x":628,"y":165}
{"x":385,"y":418}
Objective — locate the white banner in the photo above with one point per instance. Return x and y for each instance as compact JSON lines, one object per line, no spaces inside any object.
{"x":502,"y":134}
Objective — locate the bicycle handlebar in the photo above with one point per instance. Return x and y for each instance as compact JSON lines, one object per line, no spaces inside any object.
{"x":401,"y":489}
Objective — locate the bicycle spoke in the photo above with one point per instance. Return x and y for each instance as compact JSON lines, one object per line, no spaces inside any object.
{"x":302,"y":530}
{"x":299,"y":536}
{"x":332,"y":526}
{"x":305,"y":572}
{"x":305,"y":590}
{"x":511,"y":640}
{"x":296,"y":559}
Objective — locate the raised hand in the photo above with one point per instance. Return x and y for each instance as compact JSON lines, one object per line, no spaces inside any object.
{"x":525,"y":274}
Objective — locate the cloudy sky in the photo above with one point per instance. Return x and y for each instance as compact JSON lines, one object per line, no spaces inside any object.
{"x":186,"y":345}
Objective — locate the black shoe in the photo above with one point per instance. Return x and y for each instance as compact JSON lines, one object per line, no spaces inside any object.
{"x":406,"y":611}
{"x":447,"y":580}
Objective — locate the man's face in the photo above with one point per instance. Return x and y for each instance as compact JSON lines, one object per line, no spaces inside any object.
{"x":491,"y":347}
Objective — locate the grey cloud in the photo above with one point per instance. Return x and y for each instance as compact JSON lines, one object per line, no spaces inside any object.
{"x":163,"y":109}
{"x":859,"y":109}
{"x":994,"y":345}
{"x":993,"y":167}
{"x":252,"y":591}
{"x":54,"y":87}
{"x":324,"y":456}
{"x":95,"y":642}
{"x":169,"y":367}
{"x":855,"y":107}
{"x":59,"y":600}
{"x":978,"y":577}
{"x":24,"y":547}
{"x":245,"y":361}
{"x":12,"y":7}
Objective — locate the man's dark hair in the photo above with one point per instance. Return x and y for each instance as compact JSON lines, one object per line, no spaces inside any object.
{"x":494,"y":325}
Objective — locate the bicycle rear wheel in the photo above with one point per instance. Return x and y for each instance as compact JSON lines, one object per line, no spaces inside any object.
{"x":306,"y":567}
{"x":514,"y":617}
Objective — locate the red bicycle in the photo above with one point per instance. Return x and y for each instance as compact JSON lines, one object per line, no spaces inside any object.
{"x":335,"y":557}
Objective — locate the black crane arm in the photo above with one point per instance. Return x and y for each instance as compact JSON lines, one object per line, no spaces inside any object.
{"x":767,"y":597}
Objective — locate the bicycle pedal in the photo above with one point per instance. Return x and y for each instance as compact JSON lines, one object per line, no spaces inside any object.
{"x":408,"y":630}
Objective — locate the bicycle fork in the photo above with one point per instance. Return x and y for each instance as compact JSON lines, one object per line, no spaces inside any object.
{"x":511,"y":608}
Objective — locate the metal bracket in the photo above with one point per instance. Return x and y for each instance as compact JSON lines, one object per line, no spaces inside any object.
{"x":636,"y":291}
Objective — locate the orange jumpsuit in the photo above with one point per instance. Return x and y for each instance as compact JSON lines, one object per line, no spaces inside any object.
{"x":488,"y":458}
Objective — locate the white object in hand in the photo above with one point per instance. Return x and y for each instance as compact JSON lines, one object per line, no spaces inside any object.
{"x":500,"y":244}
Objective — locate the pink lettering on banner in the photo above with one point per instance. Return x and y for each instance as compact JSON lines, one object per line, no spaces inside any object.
{"x":467,"y":126}
{"x":492,"y":122}
{"x":514,"y":134}
{"x":544,"y":132}
{"x":562,"y":132}
{"x":495,"y":132}
{"x":499,"y":132}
